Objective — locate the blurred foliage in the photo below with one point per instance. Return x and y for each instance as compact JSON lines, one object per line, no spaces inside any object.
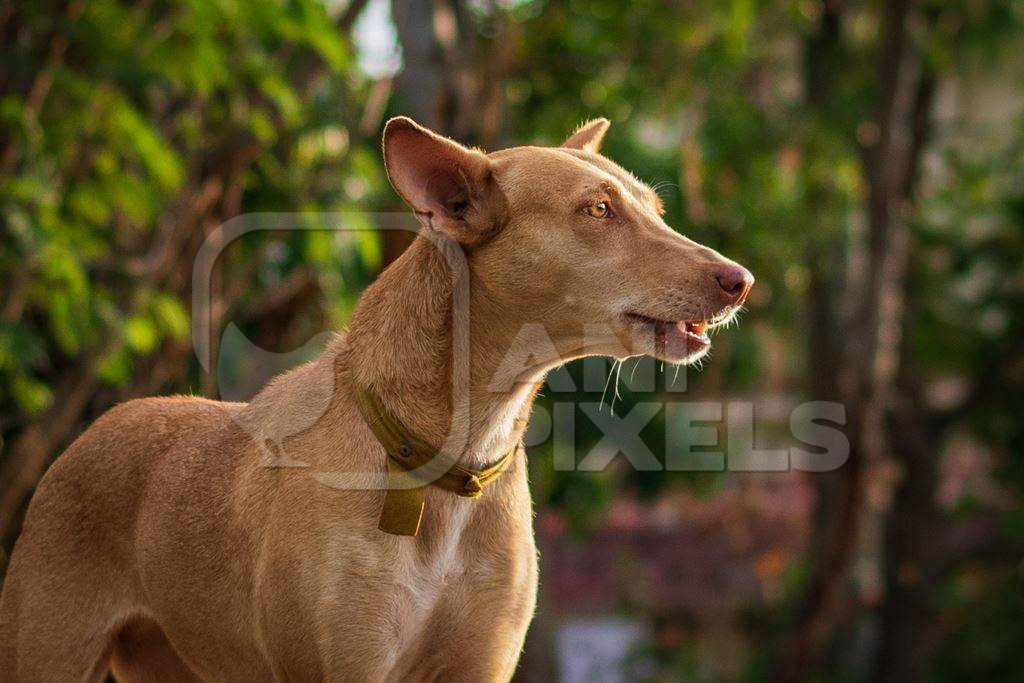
{"x":777,"y":174}
{"x":152,"y":109}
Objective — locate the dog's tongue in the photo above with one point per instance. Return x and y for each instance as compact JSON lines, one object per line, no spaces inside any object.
{"x":697,"y":328}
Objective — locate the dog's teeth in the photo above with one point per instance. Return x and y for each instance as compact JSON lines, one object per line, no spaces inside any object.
{"x":698,"y":327}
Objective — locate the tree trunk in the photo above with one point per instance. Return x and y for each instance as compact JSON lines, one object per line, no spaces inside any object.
{"x":866,"y":364}
{"x":912,"y":567}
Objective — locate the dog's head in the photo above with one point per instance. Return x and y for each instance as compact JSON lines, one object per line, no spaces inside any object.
{"x":566,"y":238}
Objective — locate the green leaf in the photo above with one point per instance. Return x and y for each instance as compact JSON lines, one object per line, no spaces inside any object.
{"x":141,"y":334}
{"x":32,"y":395}
{"x":115,"y":367}
{"x":172,"y":316}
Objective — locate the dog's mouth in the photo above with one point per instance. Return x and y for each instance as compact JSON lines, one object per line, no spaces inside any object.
{"x":692,"y":329}
{"x":677,"y":341}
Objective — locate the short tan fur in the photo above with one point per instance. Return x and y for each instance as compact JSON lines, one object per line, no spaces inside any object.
{"x":165,"y":545}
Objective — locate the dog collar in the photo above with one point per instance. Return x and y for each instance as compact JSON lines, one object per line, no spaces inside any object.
{"x":411,"y":462}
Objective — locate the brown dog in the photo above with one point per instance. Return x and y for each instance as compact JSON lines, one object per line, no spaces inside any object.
{"x":162,"y":547}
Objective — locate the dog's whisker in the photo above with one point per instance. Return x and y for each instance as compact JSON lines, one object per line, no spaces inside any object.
{"x":615,"y":394}
{"x":661,"y":185}
{"x":600,"y":405}
{"x":635,"y":366}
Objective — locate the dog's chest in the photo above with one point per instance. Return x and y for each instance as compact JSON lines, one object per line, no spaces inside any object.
{"x":425,"y":572}
{"x":403,"y":598}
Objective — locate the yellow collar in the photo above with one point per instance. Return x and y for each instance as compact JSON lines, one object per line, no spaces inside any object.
{"x":409,"y":462}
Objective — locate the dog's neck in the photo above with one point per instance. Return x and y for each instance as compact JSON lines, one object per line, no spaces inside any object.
{"x":404,"y":341}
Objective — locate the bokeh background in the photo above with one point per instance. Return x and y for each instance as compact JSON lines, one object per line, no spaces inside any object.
{"x":864,"y":158}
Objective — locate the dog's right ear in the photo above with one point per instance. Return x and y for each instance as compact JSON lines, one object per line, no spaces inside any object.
{"x":450,"y":187}
{"x":588,"y":137}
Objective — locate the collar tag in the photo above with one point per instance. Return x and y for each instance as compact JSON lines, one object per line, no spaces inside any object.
{"x":403,"y":508}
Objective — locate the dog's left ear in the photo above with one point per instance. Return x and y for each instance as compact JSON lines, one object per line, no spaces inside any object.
{"x":588,"y":137}
{"x":450,"y":188}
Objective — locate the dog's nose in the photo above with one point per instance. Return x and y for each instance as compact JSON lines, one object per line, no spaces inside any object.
{"x":735,"y":281}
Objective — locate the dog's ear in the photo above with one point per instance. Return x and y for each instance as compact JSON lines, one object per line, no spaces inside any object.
{"x":588,"y":136}
{"x":450,"y":188}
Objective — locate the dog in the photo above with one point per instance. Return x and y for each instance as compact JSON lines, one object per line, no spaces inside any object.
{"x":163,"y":546}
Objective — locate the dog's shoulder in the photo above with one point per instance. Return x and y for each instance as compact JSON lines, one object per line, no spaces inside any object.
{"x":160,"y":417}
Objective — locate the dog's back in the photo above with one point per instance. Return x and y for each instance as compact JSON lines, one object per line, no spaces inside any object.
{"x":77,"y":561}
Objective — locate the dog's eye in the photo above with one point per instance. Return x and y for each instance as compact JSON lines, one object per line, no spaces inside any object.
{"x":599,"y":210}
